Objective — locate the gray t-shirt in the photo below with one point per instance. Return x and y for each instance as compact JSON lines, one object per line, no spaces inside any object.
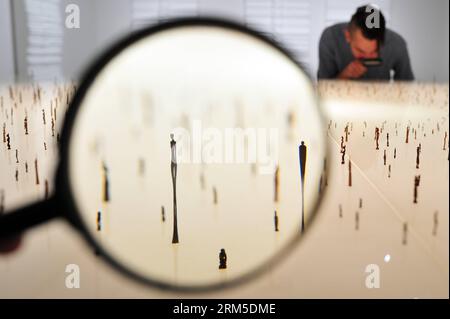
{"x":335,"y":54}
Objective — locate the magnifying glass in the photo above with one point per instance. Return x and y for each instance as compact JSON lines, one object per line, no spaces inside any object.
{"x":368,"y":63}
{"x":192,"y":156}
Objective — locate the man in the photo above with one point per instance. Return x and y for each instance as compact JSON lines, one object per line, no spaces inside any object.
{"x":344,"y":47}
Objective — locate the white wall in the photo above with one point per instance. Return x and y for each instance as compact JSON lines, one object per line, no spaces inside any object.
{"x":20,"y":40}
{"x":6,"y":40}
{"x":446,"y":44}
{"x":102,"y":22}
{"x":79,"y":44}
{"x":427,"y":37}
{"x":230,"y":9}
{"x":424,"y":24}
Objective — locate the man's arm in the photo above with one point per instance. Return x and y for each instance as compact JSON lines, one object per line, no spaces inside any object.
{"x":402,"y":67}
{"x":327,"y":64}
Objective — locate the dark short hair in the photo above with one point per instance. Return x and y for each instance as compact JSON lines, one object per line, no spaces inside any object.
{"x":359,"y":20}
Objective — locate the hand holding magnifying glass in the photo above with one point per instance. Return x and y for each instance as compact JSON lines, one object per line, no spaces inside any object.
{"x":8,"y":245}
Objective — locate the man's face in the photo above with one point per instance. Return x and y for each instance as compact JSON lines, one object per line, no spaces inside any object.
{"x":362,"y":48}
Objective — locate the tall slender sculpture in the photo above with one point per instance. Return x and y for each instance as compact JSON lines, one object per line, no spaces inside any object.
{"x":106,"y":196}
{"x":173,"y":168}
{"x":277,"y":184}
{"x":302,"y":150}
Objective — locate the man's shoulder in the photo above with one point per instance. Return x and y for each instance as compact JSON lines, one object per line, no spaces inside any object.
{"x":394,"y":38}
{"x":334,"y":32}
{"x":335,"y":29}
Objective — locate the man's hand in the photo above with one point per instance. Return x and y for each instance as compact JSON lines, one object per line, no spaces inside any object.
{"x":8,"y":245}
{"x":353,"y":71}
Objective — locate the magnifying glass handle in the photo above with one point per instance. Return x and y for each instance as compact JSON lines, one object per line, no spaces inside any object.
{"x":16,"y":222}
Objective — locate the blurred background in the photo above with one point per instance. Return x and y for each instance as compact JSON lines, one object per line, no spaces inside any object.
{"x":36,"y":45}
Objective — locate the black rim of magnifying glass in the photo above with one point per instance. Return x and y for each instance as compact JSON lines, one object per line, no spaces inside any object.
{"x":62,"y":203}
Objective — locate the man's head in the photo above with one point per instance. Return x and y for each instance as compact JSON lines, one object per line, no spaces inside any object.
{"x":365,"y":32}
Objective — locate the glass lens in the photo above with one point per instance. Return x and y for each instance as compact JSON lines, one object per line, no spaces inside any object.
{"x":186,"y":161}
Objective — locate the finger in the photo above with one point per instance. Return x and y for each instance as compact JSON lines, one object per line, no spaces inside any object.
{"x":353,"y":71}
{"x":357,"y":72}
{"x":361,"y":72}
{"x":360,"y":68}
{"x":350,"y":70}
